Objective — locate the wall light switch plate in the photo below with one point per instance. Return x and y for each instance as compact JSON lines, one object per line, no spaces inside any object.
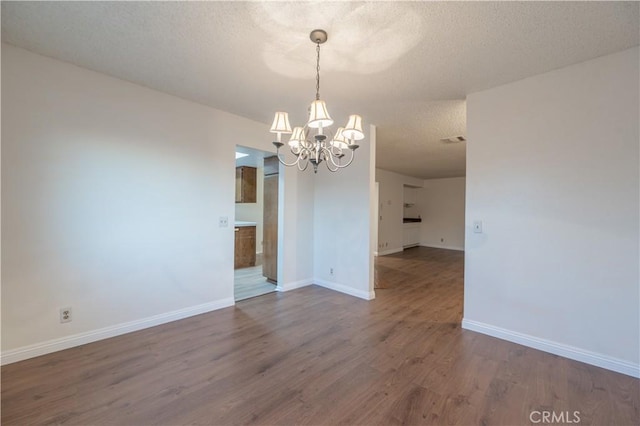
{"x":477,"y":227}
{"x":223,"y":222}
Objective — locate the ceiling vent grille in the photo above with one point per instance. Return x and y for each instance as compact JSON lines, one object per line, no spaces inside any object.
{"x":454,"y":139}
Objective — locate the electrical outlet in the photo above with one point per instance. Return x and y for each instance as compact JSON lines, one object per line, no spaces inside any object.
{"x":442,"y":240}
{"x":477,"y":226}
{"x":66,"y":315}
{"x":223,"y":222}
{"x":331,"y":271}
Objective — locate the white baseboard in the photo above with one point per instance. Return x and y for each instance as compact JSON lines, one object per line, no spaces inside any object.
{"x":571,"y":352}
{"x":366,"y":295}
{"x":294,"y":285}
{"x":443,"y":247}
{"x":54,"y":345}
{"x":390,"y":251}
{"x":410,"y":246}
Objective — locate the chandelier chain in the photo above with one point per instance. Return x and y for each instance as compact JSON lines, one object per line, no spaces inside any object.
{"x":318,"y":71}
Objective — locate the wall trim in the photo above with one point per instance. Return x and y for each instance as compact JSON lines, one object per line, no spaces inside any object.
{"x":571,"y":352}
{"x":54,"y":345}
{"x":458,"y":248}
{"x":294,"y":285}
{"x":390,"y":251}
{"x":366,"y":295}
{"x":410,"y":246}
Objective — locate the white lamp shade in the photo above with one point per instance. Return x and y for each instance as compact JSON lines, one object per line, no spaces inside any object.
{"x":318,"y":115}
{"x":339,"y":140}
{"x":297,"y":137}
{"x":353,"y":129}
{"x":281,"y":123}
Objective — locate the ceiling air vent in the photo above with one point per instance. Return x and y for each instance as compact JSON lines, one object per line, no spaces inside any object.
{"x":454,"y":139}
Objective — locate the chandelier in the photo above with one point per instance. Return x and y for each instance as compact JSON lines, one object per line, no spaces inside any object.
{"x":324,"y":145}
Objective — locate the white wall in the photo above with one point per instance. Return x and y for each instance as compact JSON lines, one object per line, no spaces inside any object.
{"x":295,"y":223}
{"x":441,"y":206}
{"x":343,"y":204}
{"x":254,"y":212}
{"x":111,"y":195}
{"x":552,"y":171}
{"x":391,"y":209}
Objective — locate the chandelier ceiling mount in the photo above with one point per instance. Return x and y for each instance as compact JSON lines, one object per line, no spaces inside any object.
{"x":318,"y":36}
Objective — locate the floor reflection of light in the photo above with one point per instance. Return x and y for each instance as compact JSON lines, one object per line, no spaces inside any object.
{"x":364,"y":38}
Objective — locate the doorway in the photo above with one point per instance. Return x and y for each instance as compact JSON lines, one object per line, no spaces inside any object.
{"x":256,"y":223}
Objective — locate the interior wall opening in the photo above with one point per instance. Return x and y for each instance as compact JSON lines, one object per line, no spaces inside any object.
{"x":256,"y":223}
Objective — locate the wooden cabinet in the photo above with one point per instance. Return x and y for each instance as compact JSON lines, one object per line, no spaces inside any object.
{"x":270,"y":220}
{"x":410,"y":234}
{"x":245,"y":184}
{"x":245,"y":247}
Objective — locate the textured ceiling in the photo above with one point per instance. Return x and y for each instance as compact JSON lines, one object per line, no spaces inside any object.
{"x":405,"y":66}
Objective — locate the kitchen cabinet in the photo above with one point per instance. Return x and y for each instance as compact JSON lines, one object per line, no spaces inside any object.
{"x":410,"y":234}
{"x":246,"y":187}
{"x":245,"y":247}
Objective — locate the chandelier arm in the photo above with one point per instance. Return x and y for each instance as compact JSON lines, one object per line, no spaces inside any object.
{"x":342,"y":166}
{"x":332,"y":170}
{"x":330,"y":161}
{"x":306,"y":164}
{"x":335,"y":150}
{"x":305,"y":158}
{"x":284,"y":162}
{"x":353,"y":155}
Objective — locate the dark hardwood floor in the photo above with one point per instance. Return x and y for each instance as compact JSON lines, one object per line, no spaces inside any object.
{"x":314,"y":356}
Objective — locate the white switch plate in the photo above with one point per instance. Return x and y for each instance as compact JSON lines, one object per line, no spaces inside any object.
{"x":223,"y":222}
{"x":477,"y":227}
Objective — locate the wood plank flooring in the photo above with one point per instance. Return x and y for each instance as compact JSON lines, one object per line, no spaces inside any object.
{"x":314,"y":356}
